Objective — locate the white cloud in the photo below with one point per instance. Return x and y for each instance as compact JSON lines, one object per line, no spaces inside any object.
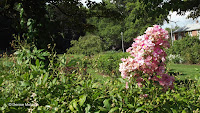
{"x":179,"y":20}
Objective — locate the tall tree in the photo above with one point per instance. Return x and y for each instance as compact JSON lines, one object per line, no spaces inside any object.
{"x":142,"y":14}
{"x":183,"y":6}
{"x":137,"y":16}
{"x":108,"y":29}
{"x":53,"y":21}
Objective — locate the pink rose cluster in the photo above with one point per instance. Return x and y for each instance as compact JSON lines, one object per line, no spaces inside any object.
{"x":147,"y":58}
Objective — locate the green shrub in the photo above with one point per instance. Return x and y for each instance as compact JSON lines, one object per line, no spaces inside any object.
{"x":108,"y":63}
{"x":188,"y":48}
{"x":87,"y":45}
{"x":62,"y":87}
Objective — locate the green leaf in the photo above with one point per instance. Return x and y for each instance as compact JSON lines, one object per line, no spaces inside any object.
{"x":106,"y":103}
{"x":96,"y":94}
{"x":130,"y":106}
{"x":45,"y":54}
{"x":23,"y":83}
{"x":113,"y":109}
{"x":26,"y":62}
{"x":72,"y":63}
{"x":45,"y":77}
{"x":87,"y":109}
{"x":119,"y":96}
{"x":75,"y":104}
{"x":96,"y":85}
{"x":126,"y":100}
{"x":121,"y":80}
{"x":184,"y":111}
{"x":82,"y":99}
{"x":39,"y":81}
{"x":37,"y":63}
{"x":29,"y":22}
{"x":48,"y":95}
{"x":54,"y":81}
{"x":63,"y":78}
{"x":17,"y":52}
{"x":1,"y":81}
{"x":26,"y":76}
{"x":31,"y":76}
{"x":97,"y":111}
{"x":71,"y":107}
{"x":173,"y":110}
{"x":138,"y":109}
{"x":102,"y":109}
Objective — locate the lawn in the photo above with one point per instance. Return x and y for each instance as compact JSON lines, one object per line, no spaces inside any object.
{"x":185,"y":71}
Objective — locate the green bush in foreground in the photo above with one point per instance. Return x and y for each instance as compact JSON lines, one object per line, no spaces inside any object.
{"x":64,"y":87}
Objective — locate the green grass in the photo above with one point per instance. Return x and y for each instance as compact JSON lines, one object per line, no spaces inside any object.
{"x":98,"y":76}
{"x":72,"y":55}
{"x":185,"y":71}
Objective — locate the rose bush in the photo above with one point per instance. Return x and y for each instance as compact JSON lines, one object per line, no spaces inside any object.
{"x":148,"y":58}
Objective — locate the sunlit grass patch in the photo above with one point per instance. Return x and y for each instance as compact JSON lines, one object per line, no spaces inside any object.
{"x":185,"y":71}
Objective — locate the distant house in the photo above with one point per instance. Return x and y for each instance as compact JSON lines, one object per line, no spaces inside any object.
{"x":190,"y":29}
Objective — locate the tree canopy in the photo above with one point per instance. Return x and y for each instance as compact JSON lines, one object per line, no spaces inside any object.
{"x":137,"y":16}
{"x":60,"y":21}
{"x":52,"y":21}
{"x":183,"y":6}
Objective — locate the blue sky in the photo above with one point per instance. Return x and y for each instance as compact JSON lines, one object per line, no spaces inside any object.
{"x":180,"y":20}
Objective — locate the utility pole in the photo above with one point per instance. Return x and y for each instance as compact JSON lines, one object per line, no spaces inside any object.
{"x":122,"y":42}
{"x":171,"y":31}
{"x":171,"y":35}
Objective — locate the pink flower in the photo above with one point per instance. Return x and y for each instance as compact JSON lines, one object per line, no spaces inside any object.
{"x":140,"y":79}
{"x":148,"y":57}
{"x":149,"y":30}
{"x":160,"y":70}
{"x":144,"y":95}
{"x":140,"y":84}
{"x":163,"y":59}
{"x":127,"y":85}
{"x":166,"y":81}
{"x":155,"y":78}
{"x":123,"y":74}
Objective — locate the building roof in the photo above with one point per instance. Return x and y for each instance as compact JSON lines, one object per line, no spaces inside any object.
{"x":189,"y":27}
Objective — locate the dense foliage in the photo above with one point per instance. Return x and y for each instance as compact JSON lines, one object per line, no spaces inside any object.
{"x":192,"y":7}
{"x":64,"y":87}
{"x":38,"y":80}
{"x":50,"y":21}
{"x":137,"y":16}
{"x":87,"y":45}
{"x":187,"y":48}
{"x":60,"y":21}
{"x":108,"y":63}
